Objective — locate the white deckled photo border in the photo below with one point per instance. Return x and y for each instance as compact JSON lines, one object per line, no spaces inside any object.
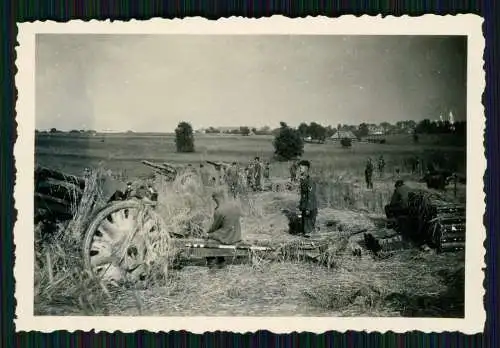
{"x":469,"y":25}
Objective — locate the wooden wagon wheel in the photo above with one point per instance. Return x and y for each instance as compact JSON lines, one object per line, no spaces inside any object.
{"x":116,"y":240}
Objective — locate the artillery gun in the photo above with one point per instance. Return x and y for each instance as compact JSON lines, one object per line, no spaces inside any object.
{"x":125,"y":227}
{"x":165,"y":170}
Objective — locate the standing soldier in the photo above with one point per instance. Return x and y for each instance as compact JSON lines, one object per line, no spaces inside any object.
{"x":413,"y":165}
{"x":417,"y":165}
{"x":369,"y":173}
{"x":267,"y":171}
{"x":397,"y":175}
{"x":249,"y":173}
{"x":232,"y":176}
{"x":293,"y":171}
{"x":308,"y":204}
{"x":381,"y":165}
{"x":257,"y":174}
{"x":222,"y":173}
{"x":204,"y":175}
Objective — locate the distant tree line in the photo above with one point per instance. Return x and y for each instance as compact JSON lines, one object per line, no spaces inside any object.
{"x":243,"y":130}
{"x":289,"y":141}
{"x":441,"y":127}
{"x":58,"y":131}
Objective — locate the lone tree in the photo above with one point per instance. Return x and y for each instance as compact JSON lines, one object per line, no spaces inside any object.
{"x":288,"y":143}
{"x":184,"y":139}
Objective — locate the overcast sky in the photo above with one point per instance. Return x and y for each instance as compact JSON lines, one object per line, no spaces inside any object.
{"x":151,"y":82}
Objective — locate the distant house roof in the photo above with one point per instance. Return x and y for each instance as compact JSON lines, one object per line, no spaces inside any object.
{"x":227,"y":129}
{"x":343,"y":134}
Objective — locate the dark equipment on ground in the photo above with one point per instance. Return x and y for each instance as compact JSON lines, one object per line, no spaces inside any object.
{"x":433,"y":221}
{"x":294,"y":221}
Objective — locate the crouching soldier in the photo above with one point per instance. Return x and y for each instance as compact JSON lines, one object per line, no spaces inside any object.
{"x":226,"y":227}
{"x":399,"y":201}
{"x":308,"y":202}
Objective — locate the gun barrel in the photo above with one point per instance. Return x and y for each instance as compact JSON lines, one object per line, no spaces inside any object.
{"x":163,"y":167}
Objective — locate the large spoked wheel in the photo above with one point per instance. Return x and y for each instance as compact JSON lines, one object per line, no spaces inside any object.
{"x":116,"y":241}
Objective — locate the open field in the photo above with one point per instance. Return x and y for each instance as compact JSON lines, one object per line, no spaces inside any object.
{"x":121,"y":153}
{"x":408,"y":283}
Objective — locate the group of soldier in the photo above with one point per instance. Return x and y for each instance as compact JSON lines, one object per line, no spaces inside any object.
{"x":370,"y":168}
{"x":255,"y":174}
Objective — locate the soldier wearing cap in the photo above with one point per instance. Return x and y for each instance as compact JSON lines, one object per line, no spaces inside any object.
{"x":226,"y":227}
{"x":308,"y":204}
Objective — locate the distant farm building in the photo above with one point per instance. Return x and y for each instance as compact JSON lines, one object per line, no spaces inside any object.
{"x":339,"y":135}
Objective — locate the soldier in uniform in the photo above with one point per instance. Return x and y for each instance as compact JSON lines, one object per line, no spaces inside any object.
{"x":381,"y":165}
{"x":399,"y":201}
{"x":249,"y":173}
{"x":257,"y":174}
{"x":308,"y":204}
{"x":232,"y":178}
{"x":267,"y":171}
{"x":397,"y":174}
{"x":204,"y":176}
{"x":226,"y":226}
{"x":369,"y":173}
{"x":415,"y":165}
{"x":293,"y":171}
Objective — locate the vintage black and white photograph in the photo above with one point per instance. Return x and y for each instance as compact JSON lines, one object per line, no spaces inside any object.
{"x":229,"y":175}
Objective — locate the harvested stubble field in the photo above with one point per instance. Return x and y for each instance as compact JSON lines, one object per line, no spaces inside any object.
{"x":407,"y":283}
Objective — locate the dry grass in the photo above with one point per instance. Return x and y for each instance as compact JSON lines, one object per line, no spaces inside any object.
{"x":60,"y":278}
